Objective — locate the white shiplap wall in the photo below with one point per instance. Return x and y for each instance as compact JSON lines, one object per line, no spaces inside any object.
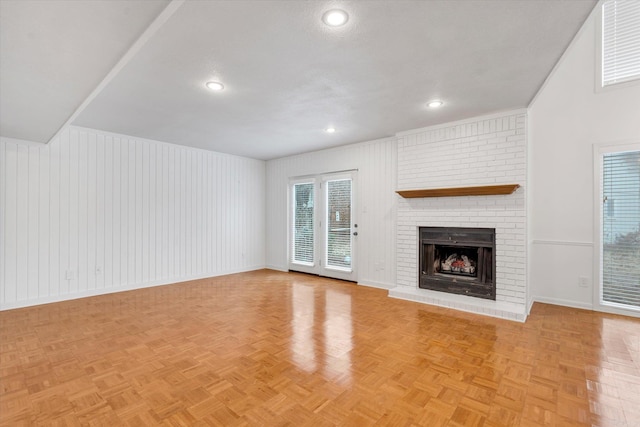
{"x":120,"y":213}
{"x":376,"y":199}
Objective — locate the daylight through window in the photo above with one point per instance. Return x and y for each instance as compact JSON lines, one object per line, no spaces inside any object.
{"x":620,"y":41}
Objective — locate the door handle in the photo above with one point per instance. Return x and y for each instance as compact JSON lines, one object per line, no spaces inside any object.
{"x":355,"y":233}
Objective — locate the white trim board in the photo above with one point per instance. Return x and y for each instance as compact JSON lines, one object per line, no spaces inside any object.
{"x":106,"y":291}
{"x":561,"y":243}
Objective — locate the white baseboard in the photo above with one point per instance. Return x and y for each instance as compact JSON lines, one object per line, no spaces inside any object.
{"x":105,"y":291}
{"x":586,"y":306}
{"x":529,"y":305}
{"x":563,"y":302}
{"x":379,"y":285}
{"x":277,"y":268}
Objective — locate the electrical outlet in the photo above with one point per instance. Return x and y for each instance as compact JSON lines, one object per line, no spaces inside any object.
{"x":583,"y":282}
{"x":70,"y":275}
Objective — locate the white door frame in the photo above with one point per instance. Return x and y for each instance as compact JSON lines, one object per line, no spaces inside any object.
{"x":318,"y":266}
{"x":325,"y":270}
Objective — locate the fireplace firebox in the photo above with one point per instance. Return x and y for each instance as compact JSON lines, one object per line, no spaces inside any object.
{"x":458,"y":260}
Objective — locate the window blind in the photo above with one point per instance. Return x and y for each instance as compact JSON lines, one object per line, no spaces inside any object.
{"x":339,"y":224}
{"x":621,"y":228}
{"x":303,"y":232}
{"x":620,"y":41}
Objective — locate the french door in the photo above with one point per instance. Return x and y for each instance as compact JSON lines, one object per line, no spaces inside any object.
{"x":322,"y":225}
{"x":619,"y":228}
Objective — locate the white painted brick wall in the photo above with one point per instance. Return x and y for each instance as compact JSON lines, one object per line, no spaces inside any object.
{"x":487,"y":151}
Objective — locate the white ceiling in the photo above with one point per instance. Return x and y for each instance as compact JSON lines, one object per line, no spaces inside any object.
{"x":54,"y":53}
{"x":287,"y":76}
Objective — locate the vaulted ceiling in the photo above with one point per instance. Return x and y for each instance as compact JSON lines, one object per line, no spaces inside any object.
{"x":139,"y":67}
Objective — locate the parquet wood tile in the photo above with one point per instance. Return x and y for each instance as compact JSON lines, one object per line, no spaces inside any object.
{"x":268,"y":348}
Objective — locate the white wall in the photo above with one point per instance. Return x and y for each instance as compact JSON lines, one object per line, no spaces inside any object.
{"x":122,"y":213}
{"x":566,"y":119}
{"x":375,"y":192}
{"x":487,"y":150}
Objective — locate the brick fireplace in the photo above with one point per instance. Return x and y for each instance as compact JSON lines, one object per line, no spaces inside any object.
{"x":483,"y":151}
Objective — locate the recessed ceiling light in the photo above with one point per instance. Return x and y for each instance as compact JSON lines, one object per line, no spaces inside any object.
{"x":215,"y":86}
{"x":330,"y":130}
{"x":335,"y":17}
{"x":435,"y":104}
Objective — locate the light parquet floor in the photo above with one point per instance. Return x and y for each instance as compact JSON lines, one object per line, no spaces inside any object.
{"x":271,"y":348}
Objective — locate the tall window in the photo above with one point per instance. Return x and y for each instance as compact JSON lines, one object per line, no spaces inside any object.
{"x":339,"y":223}
{"x":621,"y":228}
{"x":303,"y":231}
{"x":620,"y":41}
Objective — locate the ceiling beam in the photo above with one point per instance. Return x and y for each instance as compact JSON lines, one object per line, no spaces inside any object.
{"x":157,"y":23}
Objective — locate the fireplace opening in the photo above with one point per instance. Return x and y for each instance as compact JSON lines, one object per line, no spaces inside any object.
{"x":458,"y":260}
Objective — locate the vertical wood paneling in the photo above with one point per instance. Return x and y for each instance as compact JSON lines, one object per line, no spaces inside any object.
{"x":94,"y":279}
{"x":138,"y":213}
{"x":192,"y":232}
{"x":73,"y":214}
{"x":54,"y":222}
{"x":116,"y":228}
{"x":120,"y":213}
{"x":172,"y":258}
{"x":44,"y":230}
{"x":104,"y":232}
{"x":11,"y":223}
{"x":225,"y":195}
{"x":220,"y":225}
{"x":33,"y":223}
{"x":157,"y":231}
{"x":152,"y":209}
{"x":83,"y":214}
{"x":3,"y":209}
{"x":201,"y":213}
{"x":65,"y":170}
{"x":130,"y":184}
{"x":167,"y":212}
{"x":22,"y":205}
{"x":145,"y":216}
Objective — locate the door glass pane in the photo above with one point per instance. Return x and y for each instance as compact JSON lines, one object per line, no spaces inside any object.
{"x":621,"y":228}
{"x":303,"y":235}
{"x":339,"y":224}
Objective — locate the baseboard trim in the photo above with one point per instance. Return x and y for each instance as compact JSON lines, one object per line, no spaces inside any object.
{"x":529,"y":305}
{"x":561,"y":243}
{"x":276,"y":268}
{"x":105,"y":291}
{"x":378,"y":285}
{"x":563,"y":302}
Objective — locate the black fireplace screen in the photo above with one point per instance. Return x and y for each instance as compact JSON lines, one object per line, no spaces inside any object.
{"x":458,"y":260}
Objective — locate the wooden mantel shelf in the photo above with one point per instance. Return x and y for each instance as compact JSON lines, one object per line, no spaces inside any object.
{"x":485,"y":190}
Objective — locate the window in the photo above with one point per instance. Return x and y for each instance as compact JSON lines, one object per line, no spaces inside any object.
{"x":620,"y":41}
{"x":302,"y":224}
{"x":339,"y":223}
{"x":620,"y":239}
